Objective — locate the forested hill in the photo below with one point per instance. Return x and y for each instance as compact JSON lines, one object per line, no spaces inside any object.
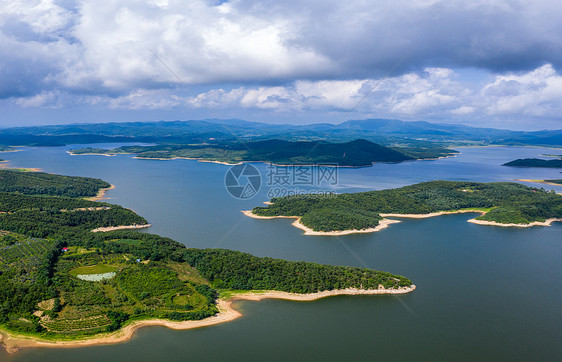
{"x":355,"y":153}
{"x":508,"y":203}
{"x":41,"y":183}
{"x":59,"y":280}
{"x":383,"y":131}
{"x":534,"y":162}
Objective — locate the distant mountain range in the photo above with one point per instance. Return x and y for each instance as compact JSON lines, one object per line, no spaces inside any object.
{"x":387,"y":132}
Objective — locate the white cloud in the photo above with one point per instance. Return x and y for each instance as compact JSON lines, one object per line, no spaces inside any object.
{"x":536,"y":93}
{"x":43,"y":99}
{"x":139,"y":99}
{"x":316,"y":56}
{"x":42,"y":16}
{"x":198,"y":42}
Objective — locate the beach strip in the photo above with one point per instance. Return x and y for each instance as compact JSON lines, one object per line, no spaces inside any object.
{"x":384,"y":223}
{"x":101,"y":194}
{"x":13,"y":343}
{"x":121,"y":227}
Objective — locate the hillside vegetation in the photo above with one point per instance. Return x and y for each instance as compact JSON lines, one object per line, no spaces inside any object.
{"x":507,"y":203}
{"x":41,"y":183}
{"x":354,"y":153}
{"x":534,"y":162}
{"x":61,"y":281}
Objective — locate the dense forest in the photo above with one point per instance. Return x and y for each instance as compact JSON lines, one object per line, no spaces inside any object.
{"x":61,"y":281}
{"x":41,"y":216}
{"x":355,"y":153}
{"x":41,"y":183}
{"x":534,"y":162}
{"x":506,"y":202}
{"x":228,"y":269}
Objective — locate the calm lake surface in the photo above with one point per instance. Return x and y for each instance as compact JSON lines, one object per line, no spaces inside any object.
{"x":483,"y":292}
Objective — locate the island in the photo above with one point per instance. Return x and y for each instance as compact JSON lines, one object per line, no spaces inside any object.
{"x":63,"y":284}
{"x":535,"y":162}
{"x":357,"y":153}
{"x":499,"y":203}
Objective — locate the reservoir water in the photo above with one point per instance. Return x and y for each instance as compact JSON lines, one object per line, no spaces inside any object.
{"x":483,"y":292}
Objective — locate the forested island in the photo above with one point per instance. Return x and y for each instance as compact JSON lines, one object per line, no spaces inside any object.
{"x":358,"y":153}
{"x":535,"y":162}
{"x":63,"y":283}
{"x":500,"y":203}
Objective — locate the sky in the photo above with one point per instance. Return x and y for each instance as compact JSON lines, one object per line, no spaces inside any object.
{"x":489,"y":63}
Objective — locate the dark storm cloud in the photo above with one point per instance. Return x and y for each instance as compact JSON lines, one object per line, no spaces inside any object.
{"x":366,"y":37}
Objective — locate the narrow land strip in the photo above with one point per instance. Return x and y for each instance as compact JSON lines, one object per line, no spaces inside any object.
{"x":101,"y":194}
{"x":121,"y":227}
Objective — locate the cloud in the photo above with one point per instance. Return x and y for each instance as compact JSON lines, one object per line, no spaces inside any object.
{"x":110,"y":48}
{"x":43,"y":99}
{"x":436,"y":93}
{"x":405,"y":95}
{"x":536,"y":93}
{"x":400,"y":58}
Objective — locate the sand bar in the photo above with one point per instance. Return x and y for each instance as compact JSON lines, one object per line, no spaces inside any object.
{"x":188,"y":158}
{"x":121,"y":227}
{"x":91,"y":154}
{"x":538,"y":182}
{"x":547,"y":222}
{"x":433,"y":214}
{"x":6,"y":165}
{"x":101,"y":194}
{"x":13,"y":343}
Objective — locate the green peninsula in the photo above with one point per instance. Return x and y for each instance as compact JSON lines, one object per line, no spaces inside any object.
{"x":61,"y":282}
{"x":358,"y":153}
{"x":535,"y":162}
{"x":502,"y":203}
{"x":41,"y":183}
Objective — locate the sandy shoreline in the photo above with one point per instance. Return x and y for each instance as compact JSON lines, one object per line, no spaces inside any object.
{"x":187,"y":158}
{"x":6,"y":165}
{"x":121,"y":227}
{"x":384,"y":223}
{"x":538,"y":182}
{"x":547,"y":222}
{"x":91,"y":154}
{"x":13,"y":343}
{"x":432,"y":214}
{"x":308,"y":231}
{"x":101,"y":194}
